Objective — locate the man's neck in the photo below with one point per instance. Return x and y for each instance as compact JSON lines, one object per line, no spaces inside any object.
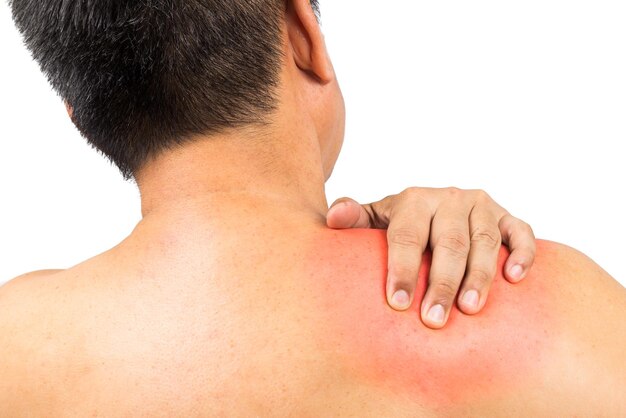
{"x":259,"y":167}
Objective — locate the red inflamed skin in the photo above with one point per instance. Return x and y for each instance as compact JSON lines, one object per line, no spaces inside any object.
{"x":472,"y":358}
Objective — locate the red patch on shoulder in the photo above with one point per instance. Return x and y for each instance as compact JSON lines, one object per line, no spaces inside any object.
{"x":473,"y":357}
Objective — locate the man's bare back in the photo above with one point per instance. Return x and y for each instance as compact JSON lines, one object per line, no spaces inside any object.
{"x":219,"y":317}
{"x":231,"y":298}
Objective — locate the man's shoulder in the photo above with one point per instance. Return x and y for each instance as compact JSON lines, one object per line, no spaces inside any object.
{"x":558,"y":264}
{"x":21,"y":293}
{"x":24,"y":284}
{"x":522,"y":330}
{"x":27,"y":278}
{"x":23,"y":302}
{"x":24,"y":313}
{"x":556,"y":253}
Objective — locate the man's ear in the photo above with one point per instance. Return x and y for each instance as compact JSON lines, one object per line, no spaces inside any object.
{"x":307,"y":41}
{"x":70,"y":110}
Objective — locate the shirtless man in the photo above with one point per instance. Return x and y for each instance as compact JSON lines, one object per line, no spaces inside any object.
{"x":232,"y":297}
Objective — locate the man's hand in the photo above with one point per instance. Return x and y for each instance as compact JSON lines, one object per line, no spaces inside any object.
{"x":464,"y":229}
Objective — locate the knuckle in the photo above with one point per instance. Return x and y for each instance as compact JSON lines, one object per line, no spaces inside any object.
{"x":413,"y":195}
{"x":487,"y":236}
{"x":404,"y":238}
{"x":453,"y":191}
{"x":444,"y":291}
{"x":411,"y":191}
{"x":523,"y":228}
{"x":526,"y":227}
{"x":483,"y":196}
{"x":405,"y":274}
{"x":480,"y":278}
{"x":456,"y":242}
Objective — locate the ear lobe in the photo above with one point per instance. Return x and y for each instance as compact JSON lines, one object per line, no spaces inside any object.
{"x":70,"y":110}
{"x":307,"y":41}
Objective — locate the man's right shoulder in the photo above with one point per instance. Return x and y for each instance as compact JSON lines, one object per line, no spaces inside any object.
{"x":22,"y":295}
{"x":23,"y":286}
{"x":22,"y":307}
{"x":39,"y":274}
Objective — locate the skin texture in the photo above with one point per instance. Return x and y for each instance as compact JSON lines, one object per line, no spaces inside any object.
{"x":539,"y":348}
{"x":187,"y":318}
{"x":226,"y":301}
{"x":503,"y":344}
{"x":466,"y":229}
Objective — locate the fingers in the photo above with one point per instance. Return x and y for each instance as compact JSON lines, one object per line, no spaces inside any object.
{"x":407,"y":237}
{"x":407,"y":219}
{"x":485,"y":242}
{"x":520,"y":239}
{"x":450,"y":241}
{"x":346,"y":213}
{"x":466,"y":232}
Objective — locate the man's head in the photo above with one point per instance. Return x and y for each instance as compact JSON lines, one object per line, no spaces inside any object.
{"x":142,"y":76}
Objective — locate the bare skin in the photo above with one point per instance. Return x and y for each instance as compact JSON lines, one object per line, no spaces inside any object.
{"x":186,"y":318}
{"x":232,"y":298}
{"x":463,"y":228}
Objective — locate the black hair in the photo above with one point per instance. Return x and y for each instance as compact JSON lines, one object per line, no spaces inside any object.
{"x":142,"y":76}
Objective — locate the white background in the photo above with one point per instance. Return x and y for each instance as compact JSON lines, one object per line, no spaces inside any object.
{"x":526,"y":100}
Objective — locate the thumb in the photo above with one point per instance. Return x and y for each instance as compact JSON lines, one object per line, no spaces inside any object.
{"x":347,"y":213}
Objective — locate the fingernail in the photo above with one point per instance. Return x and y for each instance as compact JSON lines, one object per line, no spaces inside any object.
{"x":436,"y":314}
{"x":516,"y":272}
{"x":400,"y":299}
{"x":470,"y":298}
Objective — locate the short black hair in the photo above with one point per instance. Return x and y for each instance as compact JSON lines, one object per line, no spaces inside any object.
{"x":142,"y":76}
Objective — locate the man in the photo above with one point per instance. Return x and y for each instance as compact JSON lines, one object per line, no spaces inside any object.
{"x":231,"y":297}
